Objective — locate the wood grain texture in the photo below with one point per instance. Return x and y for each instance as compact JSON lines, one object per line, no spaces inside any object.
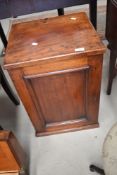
{"x":59,"y":87}
{"x":61,"y":101}
{"x":7,"y":160}
{"x":55,"y":37}
{"x":12,"y":157}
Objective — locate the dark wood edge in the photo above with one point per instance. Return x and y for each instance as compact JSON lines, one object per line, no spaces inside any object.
{"x":90,"y":126}
{"x":19,"y":154}
{"x":64,"y":123}
{"x":16,"y":149}
{"x":57,"y":72}
{"x":4,"y":135}
{"x":35,"y":62}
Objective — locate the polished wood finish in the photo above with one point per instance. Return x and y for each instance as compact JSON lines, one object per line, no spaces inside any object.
{"x":12,"y":158}
{"x":16,"y":8}
{"x":7,"y":160}
{"x":55,"y":38}
{"x":59,"y":85}
{"x":111,"y":35}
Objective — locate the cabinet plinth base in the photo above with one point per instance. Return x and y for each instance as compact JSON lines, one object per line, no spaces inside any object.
{"x":47,"y":133}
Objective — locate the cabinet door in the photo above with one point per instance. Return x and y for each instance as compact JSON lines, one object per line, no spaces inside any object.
{"x":61,"y":98}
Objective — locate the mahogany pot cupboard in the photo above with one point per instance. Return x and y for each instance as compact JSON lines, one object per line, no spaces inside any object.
{"x":56,"y":67}
{"x":14,"y":8}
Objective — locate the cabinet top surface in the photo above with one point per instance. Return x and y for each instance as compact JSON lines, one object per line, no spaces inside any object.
{"x":50,"y":38}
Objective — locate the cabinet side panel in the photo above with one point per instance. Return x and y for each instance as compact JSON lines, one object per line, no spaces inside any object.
{"x":28,"y":101}
{"x":94,"y":87}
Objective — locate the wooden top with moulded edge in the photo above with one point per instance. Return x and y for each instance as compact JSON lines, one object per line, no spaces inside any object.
{"x":12,"y":158}
{"x":52,"y":38}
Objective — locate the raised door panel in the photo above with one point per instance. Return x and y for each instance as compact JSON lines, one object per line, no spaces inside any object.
{"x":60,"y":97}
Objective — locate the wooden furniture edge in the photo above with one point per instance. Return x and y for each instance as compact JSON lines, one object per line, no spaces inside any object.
{"x":35,"y":62}
{"x":16,"y":149}
{"x":91,"y":126}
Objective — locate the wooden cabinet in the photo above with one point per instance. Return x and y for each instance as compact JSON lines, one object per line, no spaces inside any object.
{"x":12,"y":158}
{"x":56,"y":66}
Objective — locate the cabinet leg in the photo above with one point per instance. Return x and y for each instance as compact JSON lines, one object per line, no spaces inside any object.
{"x":3,"y":37}
{"x":93,"y":12}
{"x":7,"y":88}
{"x":94,"y":168}
{"x":111,"y":71}
{"x":60,"y":11}
{"x":1,"y":128}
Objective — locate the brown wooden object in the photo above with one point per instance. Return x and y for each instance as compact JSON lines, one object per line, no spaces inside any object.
{"x":12,"y":158}
{"x":56,"y":66}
